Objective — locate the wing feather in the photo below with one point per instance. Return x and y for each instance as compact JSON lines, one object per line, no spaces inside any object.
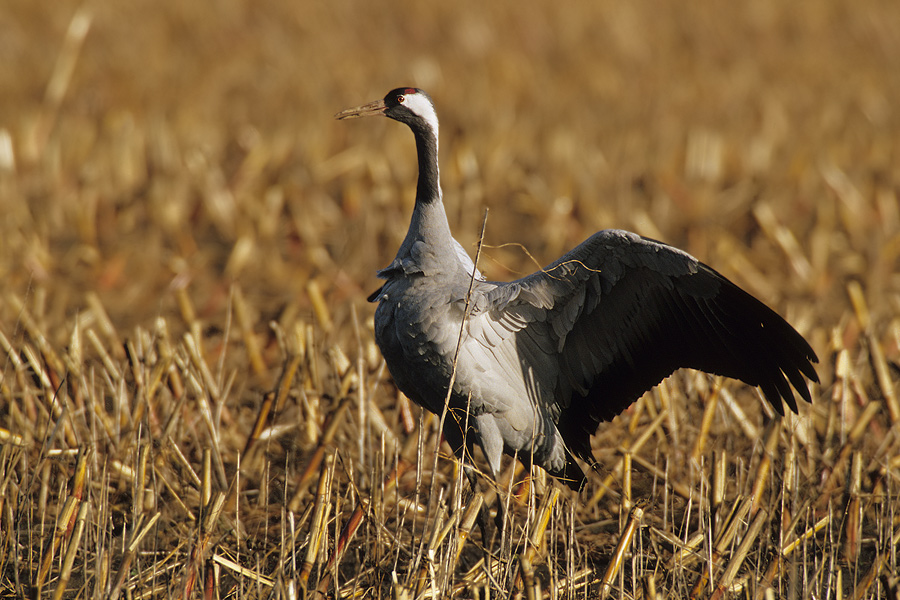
{"x":619,"y":313}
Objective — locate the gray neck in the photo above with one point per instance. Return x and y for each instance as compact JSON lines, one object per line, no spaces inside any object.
{"x":429,"y":246}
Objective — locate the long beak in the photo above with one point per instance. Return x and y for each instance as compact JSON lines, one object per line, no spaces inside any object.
{"x":371,"y":109}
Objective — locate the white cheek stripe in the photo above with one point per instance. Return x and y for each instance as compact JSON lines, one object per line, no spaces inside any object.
{"x":421,"y":106}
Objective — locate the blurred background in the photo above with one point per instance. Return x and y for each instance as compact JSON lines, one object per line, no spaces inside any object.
{"x":157,"y":140}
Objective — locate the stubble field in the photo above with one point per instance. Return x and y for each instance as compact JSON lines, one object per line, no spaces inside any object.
{"x":191,"y":400}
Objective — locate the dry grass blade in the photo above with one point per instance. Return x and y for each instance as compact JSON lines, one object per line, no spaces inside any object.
{"x":686,"y":552}
{"x":709,"y":412}
{"x":679,"y":488}
{"x":10,"y":438}
{"x":784,"y":238}
{"x":882,"y":371}
{"x":465,"y":527}
{"x":272,"y":400}
{"x":541,"y":521}
{"x":853,"y":524}
{"x":320,"y":307}
{"x":319,"y":521}
{"x":775,"y":566}
{"x":648,"y":586}
{"x":210,"y":384}
{"x":626,"y":483}
{"x":60,"y":80}
{"x":66,"y":515}
{"x":532,"y":583}
{"x":128,"y":557}
{"x":809,"y":533}
{"x":631,"y":448}
{"x":720,"y":464}
{"x":331,"y":428}
{"x":618,"y":558}
{"x":725,"y":536}
{"x":536,"y":541}
{"x":354,"y":522}
{"x":254,"y":354}
{"x":831,"y":484}
{"x":862,"y":590}
{"x":751,"y":431}
{"x":761,"y":478}
{"x":69,"y":560}
{"x":740,"y":554}
{"x":261,"y":417}
{"x":398,"y":592}
{"x":67,"y":518}
{"x":243,"y":571}
{"x":211,"y":514}
{"x":54,"y":363}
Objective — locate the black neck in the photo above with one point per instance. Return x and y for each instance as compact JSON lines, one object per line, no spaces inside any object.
{"x":428,"y":189}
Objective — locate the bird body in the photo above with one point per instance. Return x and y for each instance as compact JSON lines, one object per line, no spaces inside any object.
{"x":544,"y":359}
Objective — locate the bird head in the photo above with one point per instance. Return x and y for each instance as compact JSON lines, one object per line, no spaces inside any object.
{"x":407,"y":105}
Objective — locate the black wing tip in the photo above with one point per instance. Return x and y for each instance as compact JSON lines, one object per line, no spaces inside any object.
{"x":785,"y":356}
{"x":778,"y":390}
{"x":799,"y":366}
{"x":373,"y":297}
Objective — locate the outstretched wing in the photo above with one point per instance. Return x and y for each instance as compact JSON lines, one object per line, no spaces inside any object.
{"x":619,"y":313}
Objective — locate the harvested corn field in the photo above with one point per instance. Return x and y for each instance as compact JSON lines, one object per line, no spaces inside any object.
{"x":192,"y":404}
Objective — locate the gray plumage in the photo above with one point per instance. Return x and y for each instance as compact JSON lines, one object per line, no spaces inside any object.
{"x":546,"y":358}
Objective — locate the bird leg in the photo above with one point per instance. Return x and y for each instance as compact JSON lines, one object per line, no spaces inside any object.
{"x":490,"y":442}
{"x":471,"y":472}
{"x":484,"y":516}
{"x":484,"y":513}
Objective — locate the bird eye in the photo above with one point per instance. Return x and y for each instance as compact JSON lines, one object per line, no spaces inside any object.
{"x":401,"y":99}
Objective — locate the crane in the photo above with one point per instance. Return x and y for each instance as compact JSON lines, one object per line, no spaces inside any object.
{"x":545,"y":359}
